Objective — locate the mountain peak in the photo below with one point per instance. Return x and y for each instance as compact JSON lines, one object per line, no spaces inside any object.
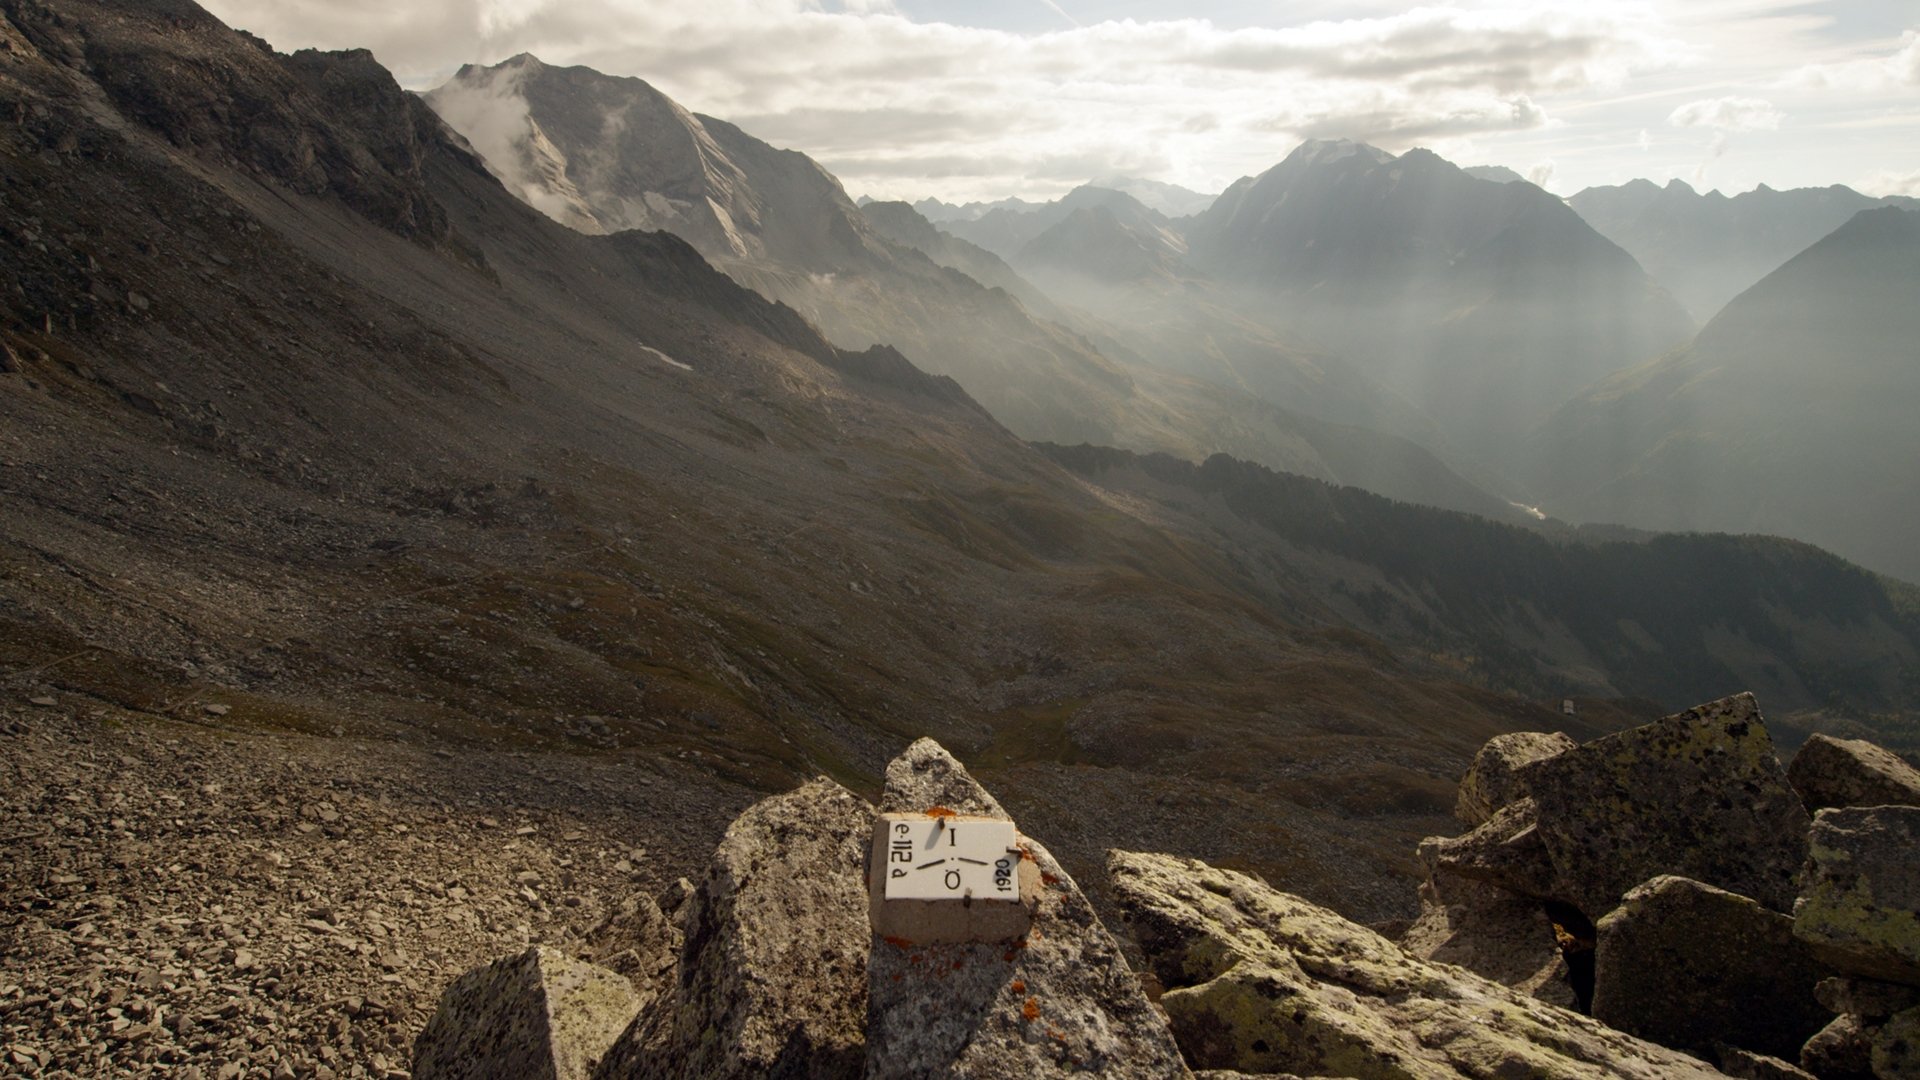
{"x":1330,"y":151}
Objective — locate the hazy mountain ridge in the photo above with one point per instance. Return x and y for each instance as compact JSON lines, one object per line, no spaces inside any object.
{"x":783,"y":226}
{"x":1488,"y":303}
{"x":1708,"y":248}
{"x":1789,"y":413}
{"x":1546,"y":613}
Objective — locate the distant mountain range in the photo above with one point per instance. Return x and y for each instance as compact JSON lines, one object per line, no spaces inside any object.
{"x":1433,"y":333}
{"x":1708,"y":248}
{"x":1171,"y":200}
{"x":602,"y":153}
{"x":1792,"y":412}
{"x":1488,"y":303}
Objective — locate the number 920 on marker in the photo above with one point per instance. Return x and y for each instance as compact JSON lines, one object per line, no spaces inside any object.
{"x":951,"y":858}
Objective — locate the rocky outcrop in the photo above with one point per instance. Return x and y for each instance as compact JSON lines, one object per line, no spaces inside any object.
{"x":1699,"y":794}
{"x":1507,"y":851}
{"x":1691,"y":966}
{"x":1843,"y":1050}
{"x":1861,"y":909}
{"x":541,"y":1015}
{"x":1830,"y":772}
{"x":1261,"y":981}
{"x":1061,"y":1000}
{"x":1491,"y":781}
{"x":771,"y":979}
{"x":771,"y":967}
{"x":1491,"y":932}
{"x":1869,"y":999}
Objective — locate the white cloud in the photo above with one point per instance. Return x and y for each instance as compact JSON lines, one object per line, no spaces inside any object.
{"x":1888,"y":182}
{"x":1871,"y":73}
{"x":876,"y":96}
{"x":1727,"y":114}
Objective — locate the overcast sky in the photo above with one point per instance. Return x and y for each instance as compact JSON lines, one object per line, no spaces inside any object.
{"x":967,"y":99}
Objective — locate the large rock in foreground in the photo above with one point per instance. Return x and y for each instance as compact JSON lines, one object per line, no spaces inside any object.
{"x":1861,"y":909}
{"x":1830,"y":772}
{"x":1265,"y":982}
{"x":1699,"y":794}
{"x":1491,"y":781}
{"x":541,"y":1015}
{"x":1063,"y":1000}
{"x":1691,"y":966}
{"x":772,"y":977}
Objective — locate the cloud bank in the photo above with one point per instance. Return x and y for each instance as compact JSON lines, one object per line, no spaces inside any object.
{"x":896,"y":107}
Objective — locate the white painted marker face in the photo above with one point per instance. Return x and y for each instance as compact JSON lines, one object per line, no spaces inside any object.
{"x":952,"y":859}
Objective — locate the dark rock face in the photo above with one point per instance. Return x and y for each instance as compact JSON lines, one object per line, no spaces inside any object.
{"x":1491,"y":781}
{"x":772,"y":976}
{"x":1264,"y":982}
{"x":1691,"y":966}
{"x":1063,"y":1000}
{"x":540,"y":1015}
{"x":1830,"y":772}
{"x":321,"y":123}
{"x":1861,"y":909}
{"x":1699,"y":794}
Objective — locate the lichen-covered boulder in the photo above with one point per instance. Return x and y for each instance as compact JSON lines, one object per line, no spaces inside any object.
{"x":1506,"y":850}
{"x":1491,"y":781}
{"x":1830,"y":772}
{"x":1691,"y":966}
{"x":1262,"y":981}
{"x":1491,"y":932}
{"x":772,"y":976}
{"x":541,"y":1015}
{"x":1061,"y":1001}
{"x":1699,"y":795}
{"x":1861,"y":909}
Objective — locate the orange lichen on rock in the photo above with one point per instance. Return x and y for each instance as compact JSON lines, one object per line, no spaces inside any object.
{"x":1031,"y":1010}
{"x":898,"y":942}
{"x":1019,"y":986}
{"x":940,"y":812}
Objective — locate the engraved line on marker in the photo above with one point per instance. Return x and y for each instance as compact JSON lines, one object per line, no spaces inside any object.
{"x":935,"y":862}
{"x":976,"y":862}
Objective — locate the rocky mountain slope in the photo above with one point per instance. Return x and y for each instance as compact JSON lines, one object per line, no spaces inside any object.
{"x":1788,"y":414}
{"x":1708,"y":248}
{"x":1488,"y":304}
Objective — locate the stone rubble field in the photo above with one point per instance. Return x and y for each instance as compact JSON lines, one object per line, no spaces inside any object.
{"x":183,"y":902}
